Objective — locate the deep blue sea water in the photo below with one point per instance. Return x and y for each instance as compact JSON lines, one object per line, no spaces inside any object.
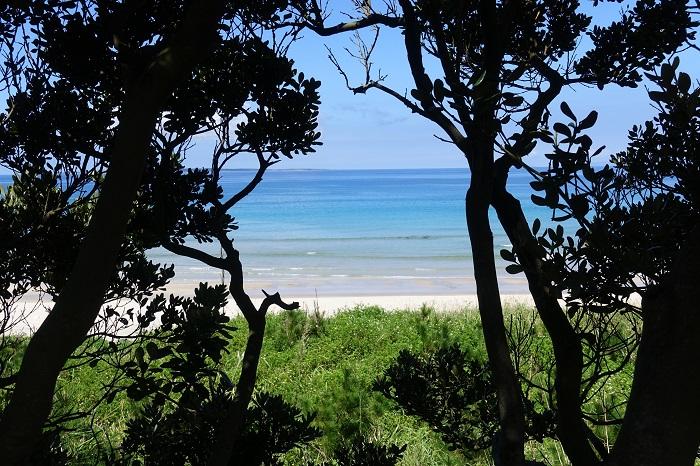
{"x":356,"y":232}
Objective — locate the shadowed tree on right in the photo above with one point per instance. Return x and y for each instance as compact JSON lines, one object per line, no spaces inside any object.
{"x":638,"y":235}
{"x":486,"y":73}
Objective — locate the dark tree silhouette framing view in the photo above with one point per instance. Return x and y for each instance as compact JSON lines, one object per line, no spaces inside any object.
{"x":247,"y":79}
{"x":149,"y":77}
{"x":135,"y":93}
{"x":104,"y":101}
{"x":501,"y":65}
{"x":638,"y":235}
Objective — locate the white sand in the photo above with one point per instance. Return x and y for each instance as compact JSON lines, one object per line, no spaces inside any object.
{"x":328,"y":305}
{"x":332,"y":304}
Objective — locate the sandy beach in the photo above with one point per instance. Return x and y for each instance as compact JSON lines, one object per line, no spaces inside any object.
{"x":328,"y":302}
{"x":332,"y":294}
{"x":333,"y":304}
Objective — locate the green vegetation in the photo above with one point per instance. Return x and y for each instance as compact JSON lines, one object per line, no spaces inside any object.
{"x":104,"y":102}
{"x":328,"y":365}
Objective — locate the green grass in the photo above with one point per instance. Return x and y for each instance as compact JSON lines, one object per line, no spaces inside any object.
{"x":327,"y":366}
{"x":332,"y":371}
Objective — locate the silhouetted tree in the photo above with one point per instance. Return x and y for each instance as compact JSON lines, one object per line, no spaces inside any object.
{"x":153,"y":76}
{"x":187,"y":398}
{"x":501,"y":64}
{"x":637,"y":235}
{"x":99,"y":94}
{"x":248,"y":80}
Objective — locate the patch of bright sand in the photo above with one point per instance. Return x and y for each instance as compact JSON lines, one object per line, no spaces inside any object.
{"x":332,"y":304}
{"x":328,"y":305}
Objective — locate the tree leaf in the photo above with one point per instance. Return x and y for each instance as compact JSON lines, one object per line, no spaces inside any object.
{"x":589,"y":337}
{"x":561,"y":128}
{"x":544,"y":136}
{"x":514,"y":268}
{"x":579,"y":205}
{"x":538,"y":200}
{"x":566,"y":110}
{"x":439,"y":90}
{"x":683,"y":82}
{"x":508,"y":255}
{"x":589,"y":121}
{"x":538,"y":185}
{"x":666,"y":72}
{"x":512,"y":100}
{"x":480,"y":79}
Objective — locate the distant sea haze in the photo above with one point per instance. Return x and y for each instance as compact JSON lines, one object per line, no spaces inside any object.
{"x":355,"y":233}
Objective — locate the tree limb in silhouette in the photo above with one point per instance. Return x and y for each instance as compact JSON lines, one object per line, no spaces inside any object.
{"x":501,"y":66}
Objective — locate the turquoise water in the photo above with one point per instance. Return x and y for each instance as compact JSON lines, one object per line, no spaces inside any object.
{"x":359,"y":232}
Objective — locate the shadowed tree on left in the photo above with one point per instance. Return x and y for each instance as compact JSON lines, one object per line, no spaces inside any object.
{"x":103,"y":99}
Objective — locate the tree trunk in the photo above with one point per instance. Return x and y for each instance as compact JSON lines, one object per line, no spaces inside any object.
{"x":233,"y":419}
{"x":571,"y":428}
{"x":230,"y":428}
{"x":509,"y":444}
{"x":79,"y":302}
{"x":661,"y":421}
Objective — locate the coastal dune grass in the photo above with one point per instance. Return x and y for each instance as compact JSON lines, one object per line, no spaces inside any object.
{"x":327,"y":365}
{"x":331,"y":371}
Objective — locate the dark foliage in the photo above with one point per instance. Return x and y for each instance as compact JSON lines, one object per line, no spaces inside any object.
{"x":189,"y":396}
{"x":184,"y":435}
{"x":362,"y":452}
{"x":632,"y":218}
{"x":178,"y":360}
{"x":56,"y":133}
{"x":69,"y":71}
{"x":486,"y":73}
{"x":455,"y":396}
{"x":49,"y":451}
{"x":272,"y":427}
{"x":632,"y":215}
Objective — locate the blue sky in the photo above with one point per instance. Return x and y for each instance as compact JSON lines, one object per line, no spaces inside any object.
{"x":375,"y":131}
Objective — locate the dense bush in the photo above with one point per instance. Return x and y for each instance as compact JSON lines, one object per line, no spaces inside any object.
{"x":455,"y":395}
{"x":185,"y":435}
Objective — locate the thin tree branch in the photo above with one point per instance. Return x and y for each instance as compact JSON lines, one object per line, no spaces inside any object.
{"x":182,"y":250}
{"x":263,"y":165}
{"x":372,"y":19}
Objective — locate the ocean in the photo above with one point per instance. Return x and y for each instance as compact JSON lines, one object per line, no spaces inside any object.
{"x":356,"y":233}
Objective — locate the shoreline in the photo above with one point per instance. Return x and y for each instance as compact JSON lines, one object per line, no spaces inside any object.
{"x":353,"y":287}
{"x":336,"y":299}
{"x":328,"y":306}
